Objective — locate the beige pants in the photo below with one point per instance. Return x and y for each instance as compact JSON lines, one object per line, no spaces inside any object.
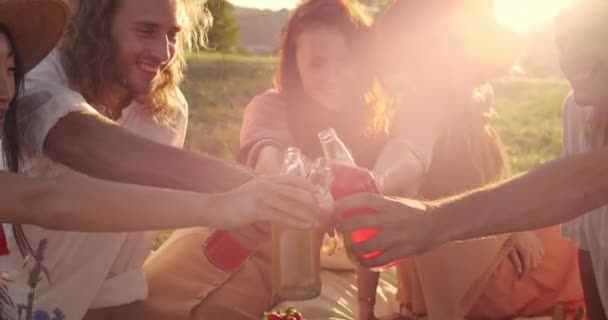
{"x":184,"y":285}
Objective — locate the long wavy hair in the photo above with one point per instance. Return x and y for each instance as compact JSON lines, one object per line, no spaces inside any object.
{"x":88,"y":49}
{"x":366,"y":117}
{"x":10,"y":142}
{"x":469,"y":152}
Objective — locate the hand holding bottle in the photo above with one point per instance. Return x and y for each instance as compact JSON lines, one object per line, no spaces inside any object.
{"x":349,"y":179}
{"x":284,"y":200}
{"x":295,"y":253}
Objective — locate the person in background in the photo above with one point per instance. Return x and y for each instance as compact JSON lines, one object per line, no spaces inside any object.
{"x":512,"y":275}
{"x":569,"y":188}
{"x":583,"y":55}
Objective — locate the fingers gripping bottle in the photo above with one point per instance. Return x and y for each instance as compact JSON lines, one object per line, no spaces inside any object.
{"x":348,"y":179}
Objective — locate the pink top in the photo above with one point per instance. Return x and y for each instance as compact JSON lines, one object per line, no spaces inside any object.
{"x":264,"y":123}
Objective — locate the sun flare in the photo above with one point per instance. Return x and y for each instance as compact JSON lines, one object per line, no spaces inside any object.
{"x":522,"y":15}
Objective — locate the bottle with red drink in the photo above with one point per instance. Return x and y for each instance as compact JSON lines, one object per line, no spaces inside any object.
{"x":295,"y":253}
{"x":225,"y":252}
{"x":348,"y":179}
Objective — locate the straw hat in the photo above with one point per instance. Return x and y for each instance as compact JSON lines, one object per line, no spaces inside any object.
{"x":36,"y":26}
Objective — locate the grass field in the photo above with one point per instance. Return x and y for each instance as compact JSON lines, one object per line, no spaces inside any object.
{"x":218,"y":88}
{"x":529,"y":119}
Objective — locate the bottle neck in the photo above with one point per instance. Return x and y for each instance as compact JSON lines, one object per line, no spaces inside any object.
{"x":320,"y":175}
{"x":293,"y":154}
{"x":335,"y":151}
{"x":292,"y":164}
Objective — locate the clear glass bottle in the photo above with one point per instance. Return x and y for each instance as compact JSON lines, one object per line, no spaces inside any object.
{"x":295,"y":253}
{"x":320,"y":177}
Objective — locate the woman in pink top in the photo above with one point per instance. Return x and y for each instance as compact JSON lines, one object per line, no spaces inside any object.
{"x":319,"y":85}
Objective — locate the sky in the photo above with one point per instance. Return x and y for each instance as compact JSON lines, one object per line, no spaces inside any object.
{"x":517,"y":14}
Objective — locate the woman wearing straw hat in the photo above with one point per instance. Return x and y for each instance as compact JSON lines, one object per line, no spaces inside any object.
{"x":443,"y":51}
{"x":29,"y":30}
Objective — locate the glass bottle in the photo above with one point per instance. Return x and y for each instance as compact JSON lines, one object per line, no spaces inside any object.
{"x":295,"y":253}
{"x":348,"y":179}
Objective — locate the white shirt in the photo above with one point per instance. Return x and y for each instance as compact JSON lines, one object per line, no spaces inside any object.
{"x":584,"y":131}
{"x":87,"y":270}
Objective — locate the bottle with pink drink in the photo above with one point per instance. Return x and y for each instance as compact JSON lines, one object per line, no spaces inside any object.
{"x":348,"y":179}
{"x":225,"y":252}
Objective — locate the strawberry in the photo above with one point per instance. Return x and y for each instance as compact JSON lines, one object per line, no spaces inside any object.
{"x":289,"y":314}
{"x":274,"y":316}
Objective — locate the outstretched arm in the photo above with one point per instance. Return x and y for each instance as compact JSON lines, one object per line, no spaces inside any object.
{"x":72,"y":201}
{"x":555,"y":193}
{"x":98,"y":147}
{"x":552,"y":194}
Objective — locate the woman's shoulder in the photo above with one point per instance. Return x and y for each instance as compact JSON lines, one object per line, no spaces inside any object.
{"x":270,"y":97}
{"x":267,"y":103}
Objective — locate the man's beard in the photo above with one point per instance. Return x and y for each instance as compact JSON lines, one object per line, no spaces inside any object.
{"x":119,"y":79}
{"x":124,"y":83}
{"x":137,"y":90}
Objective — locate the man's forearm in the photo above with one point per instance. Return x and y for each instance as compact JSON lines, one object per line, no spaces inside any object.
{"x":100,"y":148}
{"x":552,"y":194}
{"x":76,"y":202}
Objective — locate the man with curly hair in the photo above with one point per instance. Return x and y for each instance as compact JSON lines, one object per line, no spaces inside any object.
{"x":107,"y":103}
